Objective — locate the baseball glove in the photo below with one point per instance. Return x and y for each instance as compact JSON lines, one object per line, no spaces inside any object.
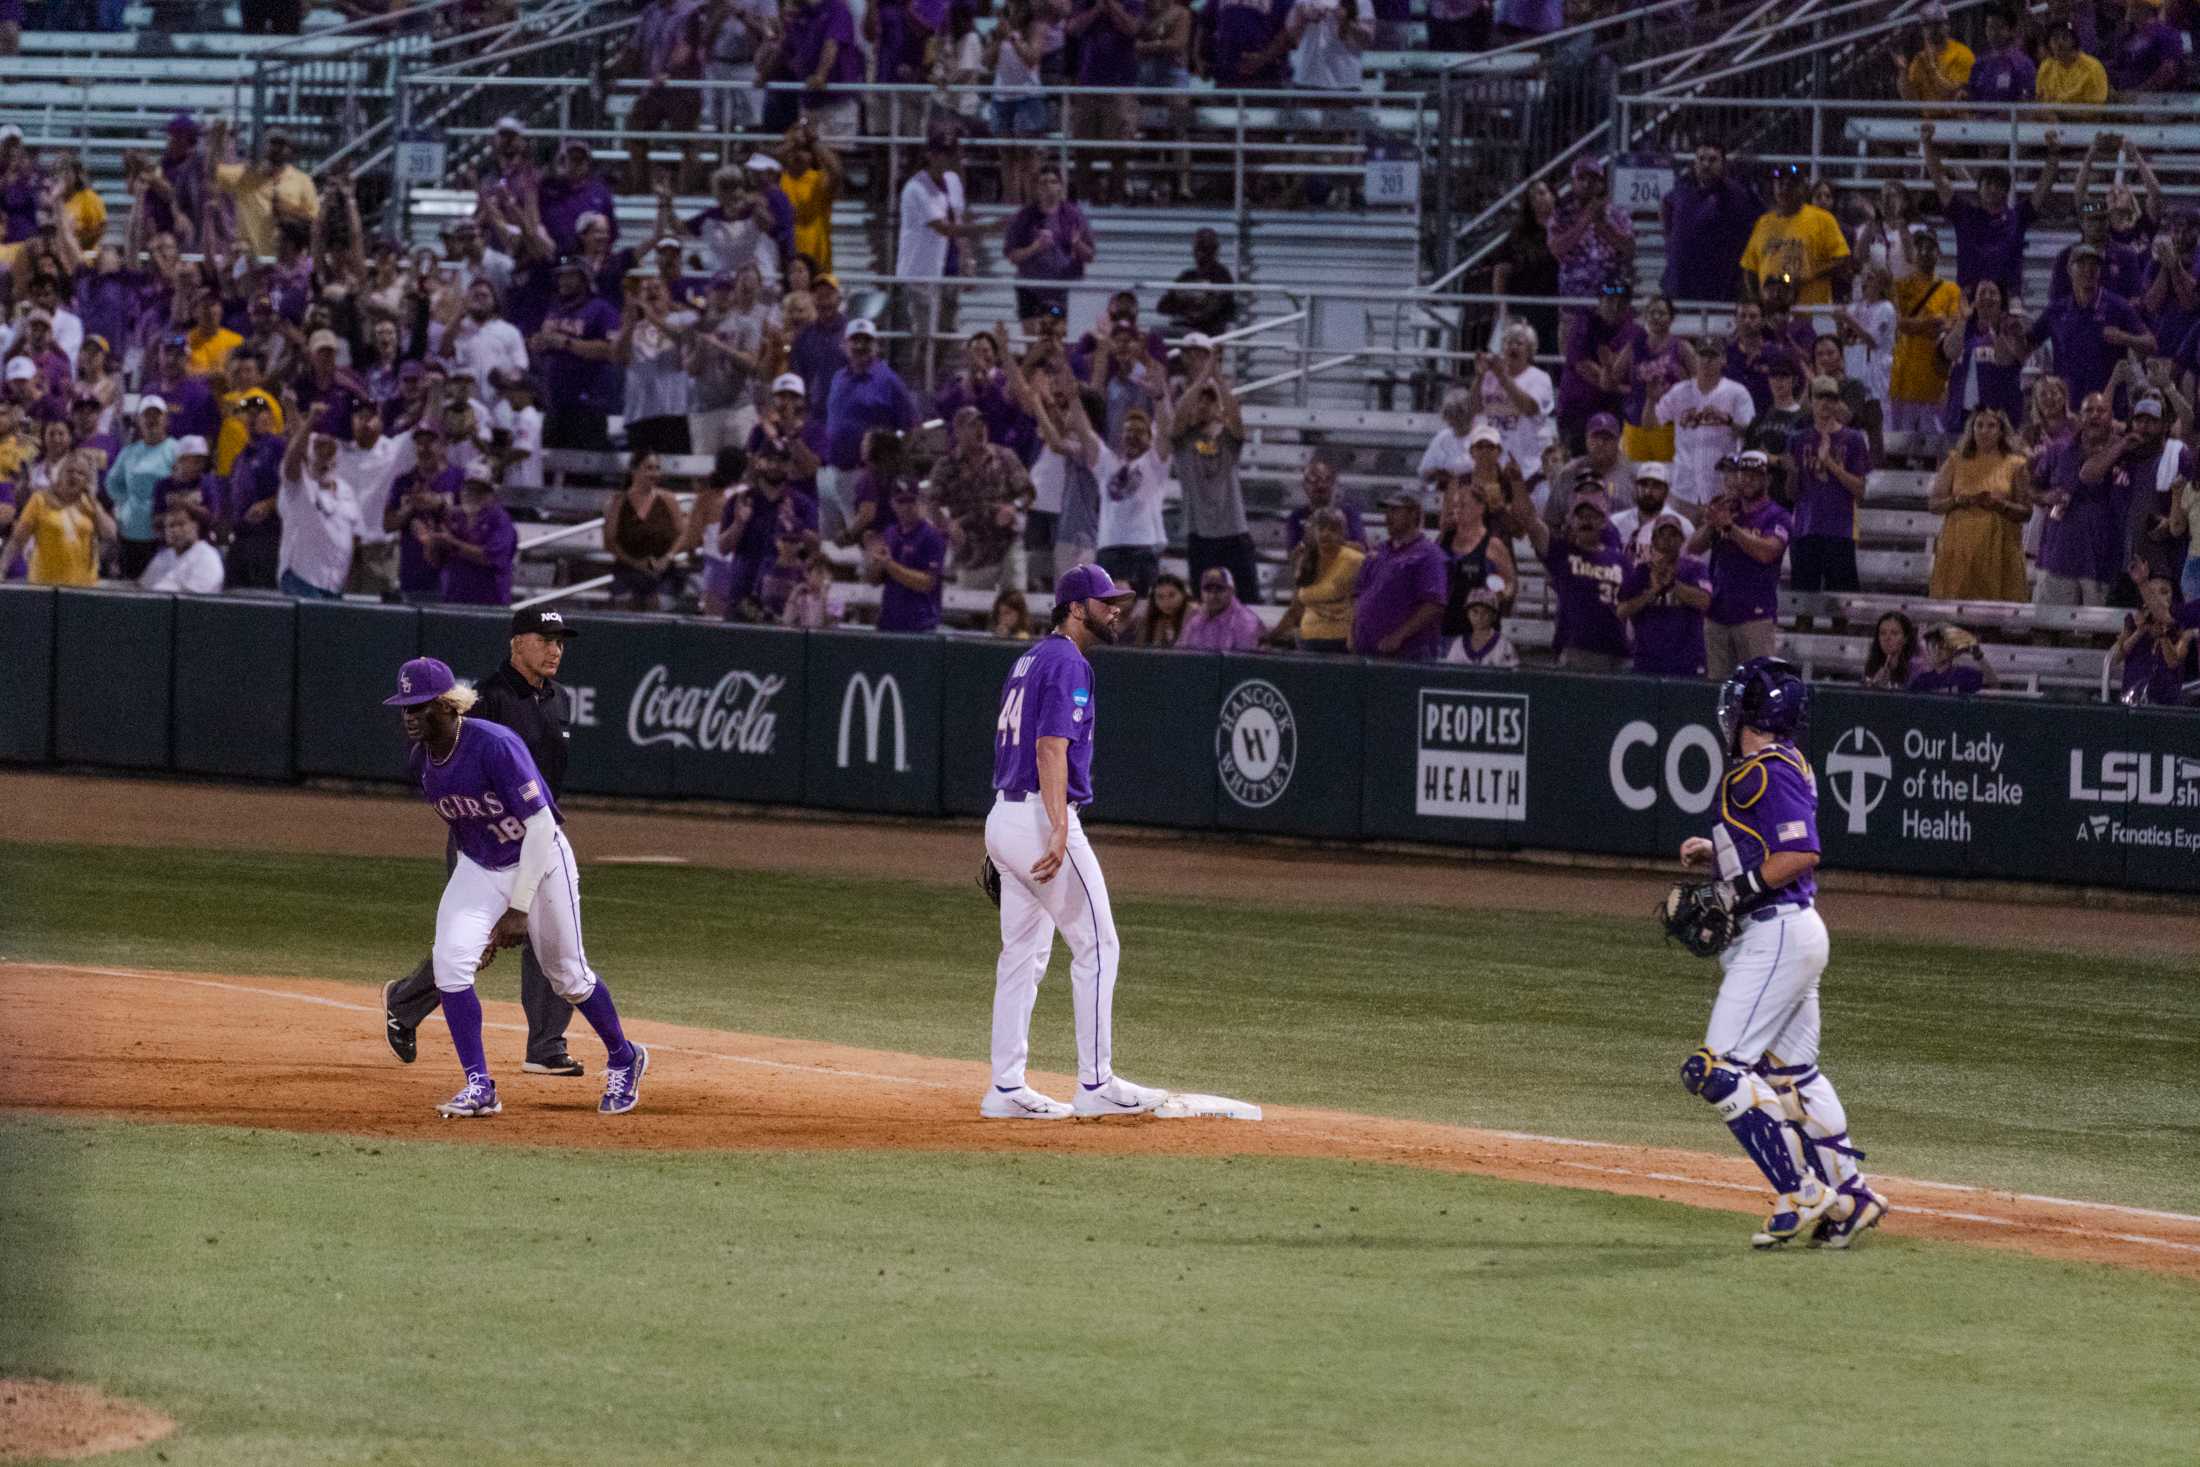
{"x":989,"y":880}
{"x":1700,"y":918}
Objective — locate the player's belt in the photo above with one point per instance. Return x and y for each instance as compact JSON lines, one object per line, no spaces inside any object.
{"x":1778,"y":909}
{"x":1017,"y":797}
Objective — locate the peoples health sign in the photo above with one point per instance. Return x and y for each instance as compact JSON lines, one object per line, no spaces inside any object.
{"x":1473,"y":755}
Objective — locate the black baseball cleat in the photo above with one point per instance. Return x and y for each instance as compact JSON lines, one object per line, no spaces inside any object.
{"x":404,"y":1040}
{"x":563,"y":1064}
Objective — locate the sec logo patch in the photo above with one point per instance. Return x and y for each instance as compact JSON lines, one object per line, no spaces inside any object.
{"x":1256,"y":744}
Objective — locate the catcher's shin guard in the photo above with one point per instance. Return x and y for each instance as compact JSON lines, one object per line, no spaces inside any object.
{"x":1752,"y":1112}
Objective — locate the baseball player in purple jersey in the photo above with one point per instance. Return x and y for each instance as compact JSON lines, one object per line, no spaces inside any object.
{"x":515,"y":880}
{"x":1759,"y":1061}
{"x":1049,"y":878}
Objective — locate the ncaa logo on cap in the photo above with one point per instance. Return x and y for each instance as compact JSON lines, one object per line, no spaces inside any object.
{"x":1256,"y":744}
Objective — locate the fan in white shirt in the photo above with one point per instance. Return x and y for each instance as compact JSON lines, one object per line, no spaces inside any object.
{"x":185,"y":563}
{"x":1132,"y":487}
{"x":1708,"y":413}
{"x":369,"y":464}
{"x":1635,"y":524}
{"x":482,"y":344}
{"x":515,"y":432}
{"x":1515,"y":396}
{"x":320,"y":513}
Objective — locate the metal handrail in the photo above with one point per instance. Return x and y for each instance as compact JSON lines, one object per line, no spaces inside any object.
{"x":1847,"y":38}
{"x":1901,"y":13}
{"x":1555,"y":38}
{"x":559,"y":593}
{"x":395,"y":21}
{"x":360,"y":144}
{"x":1507,"y":201}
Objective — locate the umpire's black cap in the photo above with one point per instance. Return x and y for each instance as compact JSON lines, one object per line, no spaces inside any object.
{"x":542,"y":623}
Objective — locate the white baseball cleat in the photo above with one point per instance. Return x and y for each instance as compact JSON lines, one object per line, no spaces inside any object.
{"x":1021,"y":1104}
{"x":1796,"y":1213}
{"x":1116,"y":1097}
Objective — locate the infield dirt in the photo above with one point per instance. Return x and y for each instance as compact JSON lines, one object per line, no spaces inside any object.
{"x":165,"y":1047}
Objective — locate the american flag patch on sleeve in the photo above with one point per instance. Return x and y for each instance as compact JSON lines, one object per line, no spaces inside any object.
{"x":532,"y":790}
{"x":1792,"y":830}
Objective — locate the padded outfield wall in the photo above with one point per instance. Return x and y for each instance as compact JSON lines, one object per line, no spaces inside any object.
{"x":1334,"y":748}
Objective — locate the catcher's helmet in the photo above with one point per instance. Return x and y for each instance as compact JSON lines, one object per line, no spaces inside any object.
{"x":1767,"y":694}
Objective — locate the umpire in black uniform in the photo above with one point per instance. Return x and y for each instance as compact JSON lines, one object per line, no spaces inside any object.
{"x":523,"y":695}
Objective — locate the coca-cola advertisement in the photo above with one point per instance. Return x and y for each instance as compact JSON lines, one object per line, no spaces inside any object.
{"x":688,"y":708}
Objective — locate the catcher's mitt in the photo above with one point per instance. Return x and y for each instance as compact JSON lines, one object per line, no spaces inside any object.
{"x":1700,"y":918}
{"x":989,"y":880}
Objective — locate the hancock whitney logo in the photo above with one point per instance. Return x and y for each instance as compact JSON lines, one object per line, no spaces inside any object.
{"x":1859,"y":771}
{"x":1256,"y":743}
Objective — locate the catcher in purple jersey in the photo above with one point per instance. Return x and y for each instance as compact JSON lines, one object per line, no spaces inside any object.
{"x":1759,"y":1062}
{"x":514,"y":880}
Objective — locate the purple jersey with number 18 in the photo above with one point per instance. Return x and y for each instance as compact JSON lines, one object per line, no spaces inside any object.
{"x":1048,"y":695}
{"x":484,"y":790}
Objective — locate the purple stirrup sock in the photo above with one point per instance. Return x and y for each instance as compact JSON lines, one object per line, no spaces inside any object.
{"x":462,"y":1012}
{"x":603,"y":1017}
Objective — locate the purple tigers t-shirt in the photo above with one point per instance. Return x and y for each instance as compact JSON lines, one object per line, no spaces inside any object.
{"x":1048,"y":694}
{"x":1587,"y":586}
{"x":484,"y":791}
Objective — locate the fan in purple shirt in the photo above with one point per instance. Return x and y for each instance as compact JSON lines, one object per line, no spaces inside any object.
{"x":2091,"y":329}
{"x":2002,"y":71}
{"x":573,"y":351}
{"x":477,"y":546}
{"x":572,"y":191}
{"x":1991,"y":230}
{"x":907,"y":561}
{"x":2170,"y":303}
{"x":1955,"y":666}
{"x":1586,"y":567}
{"x":866,"y":394}
{"x":2080,"y":540}
{"x":1662,"y":600}
{"x":420,"y":504}
{"x":983,"y":385}
{"x":1593,"y":337}
{"x":1245,"y":35}
{"x":811,"y":26}
{"x":2147,"y":54}
{"x":1746,"y":533}
{"x":192,"y":411}
{"x":1402,"y":588}
{"x":1708,"y":220}
{"x":1827,"y":467}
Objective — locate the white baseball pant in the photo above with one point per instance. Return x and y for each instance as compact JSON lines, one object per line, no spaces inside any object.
{"x":475,"y":897}
{"x":1767,"y":1010}
{"x":1769,"y":996}
{"x":1075,"y":903}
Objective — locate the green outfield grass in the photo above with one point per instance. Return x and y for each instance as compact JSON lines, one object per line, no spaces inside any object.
{"x":307,"y":1299}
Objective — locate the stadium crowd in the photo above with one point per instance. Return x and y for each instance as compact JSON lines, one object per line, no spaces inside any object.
{"x":321,"y":411}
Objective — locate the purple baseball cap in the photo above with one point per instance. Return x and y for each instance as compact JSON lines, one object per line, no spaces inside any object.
{"x":1089,"y":583}
{"x":422,"y":680}
{"x":1604,"y":423}
{"x":183,"y":124}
